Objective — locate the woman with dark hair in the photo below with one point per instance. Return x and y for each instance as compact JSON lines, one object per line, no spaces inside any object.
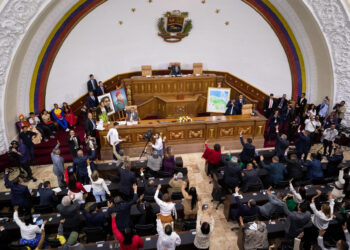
{"x":190,"y":201}
{"x":69,"y":115}
{"x":73,"y":185}
{"x":203,"y":232}
{"x":169,"y":161}
{"x":30,"y":233}
{"x":127,"y":239}
{"x":212,"y":157}
{"x":147,"y":214}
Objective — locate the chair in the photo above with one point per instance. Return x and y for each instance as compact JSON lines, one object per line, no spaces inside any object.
{"x":189,"y":225}
{"x":282,"y":184}
{"x":120,"y":115}
{"x":145,"y":230}
{"x":146,"y":70}
{"x":251,"y":218}
{"x":53,"y":243}
{"x":149,"y":198}
{"x":94,"y":234}
{"x":179,"y":162}
{"x":43,"y":209}
{"x":247,"y":109}
{"x":163,"y":174}
{"x":218,"y":193}
{"x":184,"y":171}
{"x":176,"y":196}
{"x":197,"y":68}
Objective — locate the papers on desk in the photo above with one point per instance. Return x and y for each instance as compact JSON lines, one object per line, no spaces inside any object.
{"x":7,"y":193}
{"x":121,"y":122}
{"x":131,"y":123}
{"x":57,"y":190}
{"x":87,"y":188}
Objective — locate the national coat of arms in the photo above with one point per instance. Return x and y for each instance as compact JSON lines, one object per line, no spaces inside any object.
{"x":176,"y":26}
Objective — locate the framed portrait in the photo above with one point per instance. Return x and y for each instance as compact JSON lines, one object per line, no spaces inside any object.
{"x":119,"y":99}
{"x":107,"y":100}
{"x":217,"y":99}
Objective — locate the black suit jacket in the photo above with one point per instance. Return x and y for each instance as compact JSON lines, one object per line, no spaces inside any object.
{"x":127,"y":179}
{"x":302,"y":103}
{"x":71,"y":144}
{"x":99,"y":90}
{"x":232,"y":174}
{"x":89,"y":127}
{"x":91,"y":85}
{"x":91,"y":103}
{"x":267,"y":102}
{"x":47,"y":196}
{"x":281,"y":145}
{"x":294,"y":170}
{"x":175,"y":70}
{"x":248,"y":151}
{"x":284,"y":104}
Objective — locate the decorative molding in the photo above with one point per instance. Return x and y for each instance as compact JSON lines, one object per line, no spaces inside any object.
{"x":15,"y":19}
{"x":335,"y":24}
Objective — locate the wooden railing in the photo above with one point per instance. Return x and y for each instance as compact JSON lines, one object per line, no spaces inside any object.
{"x":237,"y":85}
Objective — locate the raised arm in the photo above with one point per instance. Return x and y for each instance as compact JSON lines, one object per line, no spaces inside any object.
{"x":157,"y":200}
{"x":295,"y":193}
{"x":8,"y":183}
{"x":115,"y":229}
{"x":183,"y":191}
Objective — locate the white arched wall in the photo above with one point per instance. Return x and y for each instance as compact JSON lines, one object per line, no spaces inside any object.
{"x":247,"y":47}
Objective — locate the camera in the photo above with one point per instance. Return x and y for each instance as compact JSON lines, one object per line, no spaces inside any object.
{"x":148,"y":135}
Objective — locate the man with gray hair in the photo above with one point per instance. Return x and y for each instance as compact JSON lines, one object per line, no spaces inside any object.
{"x":58,"y":165}
{"x":70,"y":212}
{"x":276,"y":170}
{"x":282,"y":144}
{"x":232,"y":173}
{"x":154,"y":163}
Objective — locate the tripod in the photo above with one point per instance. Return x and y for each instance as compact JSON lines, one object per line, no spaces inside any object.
{"x":144,"y":148}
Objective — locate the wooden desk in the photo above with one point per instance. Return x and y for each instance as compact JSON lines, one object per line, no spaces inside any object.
{"x":213,"y":128}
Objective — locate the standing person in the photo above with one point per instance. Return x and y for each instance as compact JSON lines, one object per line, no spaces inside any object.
{"x":113,"y":139}
{"x":92,"y":85}
{"x":302,"y":144}
{"x":328,"y":139}
{"x":127,"y":180}
{"x":269,"y":105}
{"x":282,"y":144}
{"x":69,"y":115}
{"x":232,"y":173}
{"x":158,"y":146}
{"x":154,"y":163}
{"x":47,"y":195}
{"x":239,"y":102}
{"x":20,"y":195}
{"x":248,"y":151}
{"x":231,"y":110}
{"x":190,"y":202}
{"x":324,"y":109}
{"x":274,"y":121}
{"x":58,"y":115}
{"x":212,"y":157}
{"x":249,"y":209}
{"x":58,"y":164}
{"x":167,"y":207}
{"x":300,"y":105}
{"x":203,"y":232}
{"x":175,"y":183}
{"x":314,"y":167}
{"x":81,"y":165}
{"x":22,"y":157}
{"x":286,"y":117}
{"x":333,"y":162}
{"x":293,"y":128}
{"x":167,"y":239}
{"x":27,"y":138}
{"x":75,"y":187}
{"x":276,"y":170}
{"x":90,"y":126}
{"x":169,"y":163}
{"x":101,"y":90}
{"x":92,"y":101}
{"x":340,"y":111}
{"x":70,"y":213}
{"x":250,"y":177}
{"x":127,"y":239}
{"x":311,"y":126}
{"x":99,"y":187}
{"x":74,"y":143}
{"x":294,"y":168}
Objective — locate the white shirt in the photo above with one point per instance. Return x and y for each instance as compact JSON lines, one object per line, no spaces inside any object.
{"x":319,"y":219}
{"x":296,"y":196}
{"x":330,"y":134}
{"x":159,"y":144}
{"x":36,"y":121}
{"x":167,"y":241}
{"x":27,"y":232}
{"x":98,"y":185}
{"x":310,"y":126}
{"x":166,"y":209}
{"x":113,"y":136}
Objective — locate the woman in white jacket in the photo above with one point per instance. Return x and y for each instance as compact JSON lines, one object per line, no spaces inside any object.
{"x":321,"y":218}
{"x":98,"y":185}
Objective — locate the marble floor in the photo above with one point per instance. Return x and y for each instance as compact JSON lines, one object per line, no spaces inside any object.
{"x":222,"y":238}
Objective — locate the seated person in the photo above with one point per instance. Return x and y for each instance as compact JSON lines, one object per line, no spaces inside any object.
{"x":154,"y":163}
{"x":44,"y":130}
{"x":250,"y":177}
{"x":276,"y":170}
{"x":132,"y":115}
{"x":46,"y":118}
{"x":314,"y":167}
{"x":232,"y":173}
{"x":242,"y":210}
{"x":274,"y":205}
{"x":175,"y":183}
{"x":47,"y":195}
{"x":95,"y":217}
{"x":167,"y":207}
{"x":169,"y":163}
{"x":175,"y":69}
{"x":231,"y":110}
{"x":190,"y":202}
{"x":212,"y":157}
{"x":102,"y":112}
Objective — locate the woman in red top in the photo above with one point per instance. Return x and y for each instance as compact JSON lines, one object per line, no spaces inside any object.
{"x":212,"y":156}
{"x":72,"y":183}
{"x":127,"y":240}
{"x":69,"y":115}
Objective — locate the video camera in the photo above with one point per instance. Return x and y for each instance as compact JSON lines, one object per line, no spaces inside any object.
{"x":148,"y":135}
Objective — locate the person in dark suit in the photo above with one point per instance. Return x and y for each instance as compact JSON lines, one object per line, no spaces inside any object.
{"x":269,"y":106}
{"x":300,"y":105}
{"x":91,"y":100}
{"x":127,"y":179}
{"x":274,"y":121}
{"x":287,"y":114}
{"x":90,"y":126}
{"x":249,"y":209}
{"x":92,"y":85}
{"x":314,"y":167}
{"x":333,"y":162}
{"x":122,"y":208}
{"x":74,"y":143}
{"x":282,"y":144}
{"x":282,"y":102}
{"x":20,"y":195}
{"x":80,"y":164}
{"x":294,"y":168}
{"x":231,"y":110}
{"x":248,"y":151}
{"x":149,"y":185}
{"x":175,"y":70}
{"x":239,"y":102}
{"x":250,"y":177}
{"x":232,"y":173}
{"x":101,"y":90}
{"x":132,"y":115}
{"x":95,"y":217}
{"x":276,"y":170}
{"x":70,"y":213}
{"x":302,"y":144}
{"x":47,"y":196}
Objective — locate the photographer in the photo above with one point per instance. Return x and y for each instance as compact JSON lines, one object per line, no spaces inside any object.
{"x":21,"y":155}
{"x":158,"y":146}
